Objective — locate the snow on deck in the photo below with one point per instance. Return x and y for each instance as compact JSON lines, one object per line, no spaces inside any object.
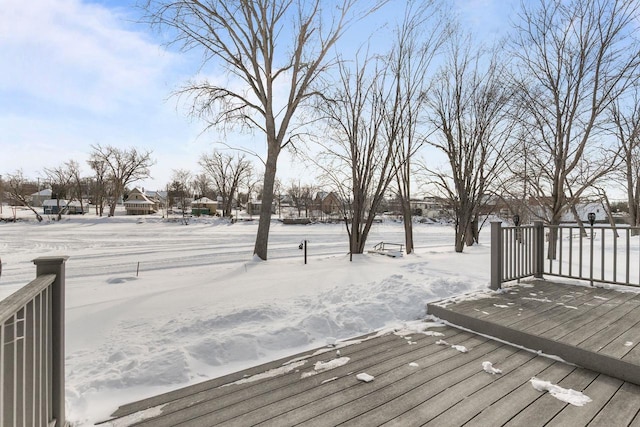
{"x":593,"y":327}
{"x":411,"y":381}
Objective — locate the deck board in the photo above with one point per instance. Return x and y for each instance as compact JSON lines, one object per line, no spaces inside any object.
{"x":589,"y":335}
{"x":601,"y":391}
{"x":447,"y":387}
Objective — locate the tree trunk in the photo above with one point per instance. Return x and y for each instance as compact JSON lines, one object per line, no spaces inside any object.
{"x":408,"y":225}
{"x":262,"y":237}
{"x":553,"y":236}
{"x":471,"y":236}
{"x":114,"y":203}
{"x":459,"y":240}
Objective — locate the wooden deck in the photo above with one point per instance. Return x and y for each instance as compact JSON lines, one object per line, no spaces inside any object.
{"x":593,"y":327}
{"x":420,"y":382}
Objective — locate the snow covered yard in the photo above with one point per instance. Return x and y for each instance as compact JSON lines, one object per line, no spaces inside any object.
{"x":200,"y":307}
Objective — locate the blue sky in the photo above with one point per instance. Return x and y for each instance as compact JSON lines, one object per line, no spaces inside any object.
{"x":75,"y":73}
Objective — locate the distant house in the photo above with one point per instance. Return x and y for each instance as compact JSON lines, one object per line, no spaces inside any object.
{"x":204,"y":206}
{"x":430,"y":207}
{"x":139,"y":204}
{"x":54,"y":206}
{"x":38,"y":198}
{"x":75,"y":207}
{"x":50,"y":207}
{"x":540,"y":210}
{"x":253,"y":208}
{"x":328,"y":203}
{"x":158,"y":197}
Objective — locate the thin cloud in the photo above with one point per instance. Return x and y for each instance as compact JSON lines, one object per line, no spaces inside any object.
{"x":68,"y":53}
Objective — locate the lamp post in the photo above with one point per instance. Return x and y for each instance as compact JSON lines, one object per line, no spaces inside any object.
{"x":516,"y":222}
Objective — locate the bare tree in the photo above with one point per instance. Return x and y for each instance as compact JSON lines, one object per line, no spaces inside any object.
{"x":99,"y":184}
{"x":123,"y":167}
{"x":227,"y":171}
{"x":17,"y":187}
{"x":417,"y":41}
{"x":301,"y":196}
{"x":60,"y":181}
{"x":625,"y":116}
{"x":249,"y":39}
{"x":180,"y":190}
{"x":468,"y":106}
{"x":202,"y":186}
{"x":572,"y":60}
{"x":76,"y":190}
{"x":295,"y":193}
{"x":357,"y":156}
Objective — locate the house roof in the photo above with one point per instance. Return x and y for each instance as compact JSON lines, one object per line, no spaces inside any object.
{"x":204,"y":200}
{"x":46,"y":192}
{"x":54,"y":202}
{"x":144,"y":201}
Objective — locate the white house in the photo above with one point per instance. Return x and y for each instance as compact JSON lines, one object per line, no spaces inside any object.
{"x":38,"y":198}
{"x":139,"y":204}
{"x":204,"y":206}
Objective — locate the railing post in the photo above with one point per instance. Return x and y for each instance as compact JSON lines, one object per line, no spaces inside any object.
{"x":538,"y":249}
{"x":55,"y":265}
{"x":496,"y":255}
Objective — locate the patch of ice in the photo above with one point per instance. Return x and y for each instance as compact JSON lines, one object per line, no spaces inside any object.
{"x":537,"y":299}
{"x":320,"y":366}
{"x":365,"y":377}
{"x":460,"y":348}
{"x":501,"y":305}
{"x":419,"y":327}
{"x":136,"y":417}
{"x":628,"y":344}
{"x":414,"y":365}
{"x":570,"y":396}
{"x":268,"y":374}
{"x":488,"y":367}
{"x":602,"y":298}
{"x":567,"y":306}
{"x":329,"y":380}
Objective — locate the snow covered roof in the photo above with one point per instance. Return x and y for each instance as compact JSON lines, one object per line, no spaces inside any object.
{"x":144,"y":201}
{"x":54,"y":202}
{"x":46,"y":193}
{"x":204,"y":200}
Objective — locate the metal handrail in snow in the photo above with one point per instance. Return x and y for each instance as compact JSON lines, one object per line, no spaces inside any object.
{"x":602,"y":253}
{"x":32,"y":349}
{"x":384,"y":246}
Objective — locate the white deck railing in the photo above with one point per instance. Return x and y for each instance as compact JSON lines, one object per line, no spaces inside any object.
{"x":32,"y":349}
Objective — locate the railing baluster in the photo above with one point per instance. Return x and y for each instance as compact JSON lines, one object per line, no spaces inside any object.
{"x":570,"y":250}
{"x":615,"y":255}
{"x":560,"y":256}
{"x":602,"y":255}
{"x":627,"y":257}
{"x":580,"y":261}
